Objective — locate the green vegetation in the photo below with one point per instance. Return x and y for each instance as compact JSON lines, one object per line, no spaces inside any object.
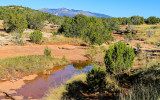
{"x":97,"y":53}
{"x":152,"y":20}
{"x":128,"y":36}
{"x":47,"y":52}
{"x":29,"y":64}
{"x":138,"y":47}
{"x":134,"y":20}
{"x":112,"y":23}
{"x":17,"y":18}
{"x":91,"y":29}
{"x":119,"y":58}
{"x":130,"y":28}
{"x":78,"y":87}
{"x":64,"y":58}
{"x":15,"y":22}
{"x":33,"y":17}
{"x":36,"y":36}
{"x":96,"y":80}
{"x":35,"y":20}
{"x":88,"y":28}
{"x":137,"y":20}
{"x":97,"y":30}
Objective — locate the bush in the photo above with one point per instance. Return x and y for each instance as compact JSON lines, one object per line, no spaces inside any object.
{"x":15,"y":22}
{"x":36,"y":36}
{"x":130,"y":28}
{"x":152,"y":20}
{"x":96,"y":80}
{"x":54,"y":33}
{"x":138,"y":47}
{"x":149,"y":32}
{"x":128,"y":37}
{"x":64,"y":58}
{"x":118,"y":58}
{"x":90,"y":29}
{"x":47,"y":51}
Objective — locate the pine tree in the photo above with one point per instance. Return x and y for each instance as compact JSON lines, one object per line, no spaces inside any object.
{"x":119,"y":58}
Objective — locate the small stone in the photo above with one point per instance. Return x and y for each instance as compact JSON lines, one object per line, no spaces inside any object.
{"x":3,"y":79}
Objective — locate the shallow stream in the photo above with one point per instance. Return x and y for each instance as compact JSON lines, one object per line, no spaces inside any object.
{"x":36,"y":89}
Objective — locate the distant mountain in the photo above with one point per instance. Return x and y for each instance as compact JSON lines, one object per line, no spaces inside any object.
{"x":72,"y":12}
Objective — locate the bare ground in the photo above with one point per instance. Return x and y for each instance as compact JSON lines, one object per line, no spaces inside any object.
{"x":71,"y":52}
{"x":9,"y":87}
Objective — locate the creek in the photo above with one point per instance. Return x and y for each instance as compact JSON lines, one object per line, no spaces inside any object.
{"x":36,"y":89}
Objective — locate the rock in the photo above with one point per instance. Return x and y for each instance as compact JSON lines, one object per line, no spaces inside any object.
{"x":66,"y":48}
{"x":3,"y":79}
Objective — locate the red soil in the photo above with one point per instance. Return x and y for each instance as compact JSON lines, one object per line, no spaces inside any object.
{"x":73,"y":53}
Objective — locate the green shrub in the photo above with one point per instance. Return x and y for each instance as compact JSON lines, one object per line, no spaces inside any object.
{"x":152,"y":20}
{"x":36,"y":36}
{"x":130,"y":28}
{"x":128,"y":37}
{"x":64,"y":58}
{"x":90,"y":29}
{"x":138,"y":47}
{"x":15,"y":22}
{"x":47,"y":51}
{"x":54,"y":33}
{"x":96,"y":80}
{"x":118,"y":58}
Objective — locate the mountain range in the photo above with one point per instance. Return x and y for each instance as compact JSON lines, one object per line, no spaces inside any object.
{"x":72,"y":12}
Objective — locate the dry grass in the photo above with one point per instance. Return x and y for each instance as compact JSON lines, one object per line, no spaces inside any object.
{"x":111,"y":81}
{"x":145,"y":60}
{"x":143,"y":33}
{"x":63,"y":39}
{"x":97,"y":53}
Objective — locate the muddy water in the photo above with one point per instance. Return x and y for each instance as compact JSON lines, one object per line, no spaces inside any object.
{"x":36,"y":88}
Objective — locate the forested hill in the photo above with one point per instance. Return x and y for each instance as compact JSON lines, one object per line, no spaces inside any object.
{"x":32,"y":16}
{"x":72,"y":12}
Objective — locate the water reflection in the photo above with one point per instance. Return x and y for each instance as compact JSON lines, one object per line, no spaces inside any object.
{"x":81,"y":65}
{"x":36,"y":88}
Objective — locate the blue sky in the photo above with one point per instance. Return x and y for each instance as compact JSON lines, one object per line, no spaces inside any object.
{"x":114,"y":8}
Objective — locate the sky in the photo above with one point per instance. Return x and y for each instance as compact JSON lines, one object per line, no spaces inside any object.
{"x":114,"y":8}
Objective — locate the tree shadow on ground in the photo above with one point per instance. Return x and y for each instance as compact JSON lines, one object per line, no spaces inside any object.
{"x":79,"y":90}
{"x":74,"y":90}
